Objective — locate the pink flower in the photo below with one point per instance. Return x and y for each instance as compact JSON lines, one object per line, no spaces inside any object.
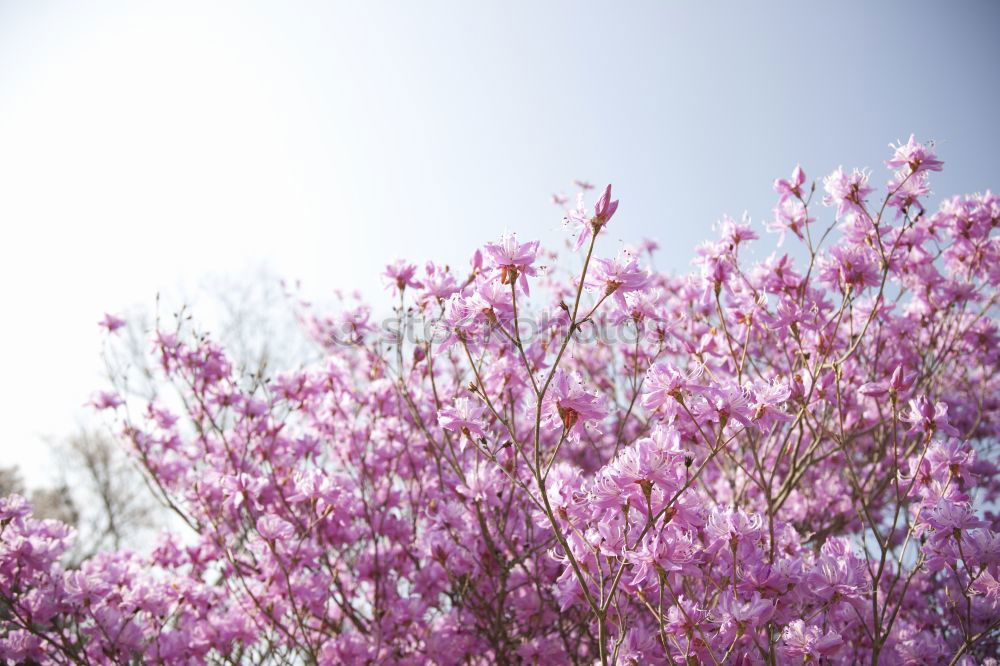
{"x":586,"y":225}
{"x":570,"y":405}
{"x":13,"y":507}
{"x":737,"y":615}
{"x":399,"y":274}
{"x":895,"y":385}
{"x":273,"y":528}
{"x":106,"y":400}
{"x":988,"y":586}
{"x":734,"y":233}
{"x":790,"y":215}
{"x":724,"y":405}
{"x":656,"y":460}
{"x":605,"y":209}
{"x":464,"y":416}
{"x":513,"y":259}
{"x":952,"y":458}
{"x":837,"y":573}
{"x":439,"y":284}
{"x":847,"y":191}
{"x":731,"y":528}
{"x":686,"y":619}
{"x":809,"y":643}
{"x":906,"y":189}
{"x":617,"y":276}
{"x":949,"y":519}
{"x":111,"y":322}
{"x":767,"y":398}
{"x":670,"y":550}
{"x":850,"y":266}
{"x":916,"y":157}
{"x":791,"y":187}
{"x":666,"y":385}
{"x":925,"y":417}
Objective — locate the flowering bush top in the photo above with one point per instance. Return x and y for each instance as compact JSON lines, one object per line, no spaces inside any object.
{"x":775,"y":463}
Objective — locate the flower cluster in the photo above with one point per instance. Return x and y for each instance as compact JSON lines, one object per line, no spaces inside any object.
{"x":793,"y":460}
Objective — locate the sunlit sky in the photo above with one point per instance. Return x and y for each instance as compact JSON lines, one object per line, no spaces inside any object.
{"x":144,"y":146}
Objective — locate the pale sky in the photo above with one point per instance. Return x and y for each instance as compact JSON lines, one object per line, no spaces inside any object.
{"x":146,"y":145}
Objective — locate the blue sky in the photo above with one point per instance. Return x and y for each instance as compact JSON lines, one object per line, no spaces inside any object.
{"x":145,"y":145}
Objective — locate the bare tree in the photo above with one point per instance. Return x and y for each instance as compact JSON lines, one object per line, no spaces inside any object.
{"x":101,"y":491}
{"x":116,"y":509}
{"x":54,"y":503}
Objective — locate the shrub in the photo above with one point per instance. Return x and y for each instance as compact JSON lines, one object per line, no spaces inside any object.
{"x":781,"y":462}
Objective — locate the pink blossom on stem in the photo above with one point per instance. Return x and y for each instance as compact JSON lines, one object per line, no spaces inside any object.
{"x":571,"y":406}
{"x":400,"y":275}
{"x":791,"y":187}
{"x":617,"y":277}
{"x":111,"y":323}
{"x":464,"y":416}
{"x":847,"y":191}
{"x":513,"y":259}
{"x":916,"y":157}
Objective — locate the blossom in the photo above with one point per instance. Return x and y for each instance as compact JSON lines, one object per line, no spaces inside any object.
{"x":400,"y":275}
{"x":111,"y":323}
{"x":586,"y":225}
{"x":928,"y":418}
{"x":837,"y":573}
{"x":733,"y":529}
{"x":685,"y":618}
{"x":916,"y":157}
{"x":734,"y":233}
{"x":513,"y":259}
{"x":571,"y":406}
{"x":767,"y":397}
{"x":106,"y":400}
{"x":439,"y":284}
{"x":809,"y":643}
{"x":669,"y":551}
{"x":850,"y":267}
{"x":665,"y":384}
{"x":463,"y":416}
{"x":652,"y":462}
{"x":790,"y":215}
{"x":950,"y":519}
{"x":617,"y":276}
{"x":641,"y":306}
{"x":906,"y":189}
{"x":894,"y":385}
{"x":791,"y":187}
{"x":737,"y":615}
{"x":952,"y":458}
{"x":988,"y":586}
{"x":605,"y":208}
{"x":12,"y":507}
{"x":274,"y":528}
{"x":723,"y":404}
{"x":847,"y":191}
